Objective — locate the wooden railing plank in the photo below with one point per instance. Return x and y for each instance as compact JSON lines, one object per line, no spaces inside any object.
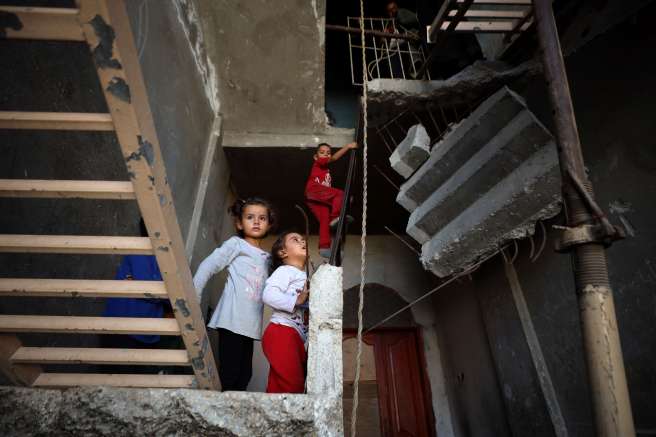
{"x":81,"y":288}
{"x":89,"y":325}
{"x":59,"y":24}
{"x":82,"y":121}
{"x":114,"y":380}
{"x":72,"y":355}
{"x":75,"y":244}
{"x":120,"y":190}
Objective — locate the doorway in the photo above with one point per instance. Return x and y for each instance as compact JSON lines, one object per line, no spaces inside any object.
{"x":394,"y":393}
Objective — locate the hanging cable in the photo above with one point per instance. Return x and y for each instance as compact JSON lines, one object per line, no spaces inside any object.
{"x":363,"y":238}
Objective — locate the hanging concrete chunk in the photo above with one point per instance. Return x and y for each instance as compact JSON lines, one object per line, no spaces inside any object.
{"x":513,"y":144}
{"x":411,"y":152}
{"x":451,"y":153}
{"x":508,"y":211}
{"x":485,"y":183}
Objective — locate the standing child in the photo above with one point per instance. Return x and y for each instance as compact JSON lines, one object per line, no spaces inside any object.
{"x":324,"y":201}
{"x":238,"y":316}
{"x":284,"y":338}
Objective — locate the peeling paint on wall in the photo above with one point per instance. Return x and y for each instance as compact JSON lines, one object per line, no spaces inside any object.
{"x":190,"y":21}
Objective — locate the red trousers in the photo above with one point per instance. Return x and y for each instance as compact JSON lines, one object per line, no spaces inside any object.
{"x":325,"y":203}
{"x":285,"y":351}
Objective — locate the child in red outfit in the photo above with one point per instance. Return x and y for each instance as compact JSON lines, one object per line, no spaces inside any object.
{"x":324,"y":201}
{"x":284,"y":339}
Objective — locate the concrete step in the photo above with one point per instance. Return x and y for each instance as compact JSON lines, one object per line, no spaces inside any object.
{"x":485,"y":183}
{"x":411,"y":152}
{"x":513,"y":144}
{"x":469,"y":136}
{"x":508,"y":211}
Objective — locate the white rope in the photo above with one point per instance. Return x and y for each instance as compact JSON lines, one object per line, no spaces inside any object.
{"x":363,"y":238}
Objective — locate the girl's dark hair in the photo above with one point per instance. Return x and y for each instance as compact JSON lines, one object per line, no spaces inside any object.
{"x":237,"y":210}
{"x":278,"y":245}
{"x":320,"y":145}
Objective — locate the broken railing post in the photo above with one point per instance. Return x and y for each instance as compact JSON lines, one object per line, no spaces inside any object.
{"x":603,"y":353}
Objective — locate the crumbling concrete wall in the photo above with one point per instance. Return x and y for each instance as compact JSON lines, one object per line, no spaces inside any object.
{"x":269,"y":63}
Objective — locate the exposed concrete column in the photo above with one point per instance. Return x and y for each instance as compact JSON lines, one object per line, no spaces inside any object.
{"x":325,"y":343}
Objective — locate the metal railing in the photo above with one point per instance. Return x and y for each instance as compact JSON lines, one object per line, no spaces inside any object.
{"x":386,"y":57}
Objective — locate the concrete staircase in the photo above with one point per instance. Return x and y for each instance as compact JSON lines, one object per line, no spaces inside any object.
{"x":488,"y":181}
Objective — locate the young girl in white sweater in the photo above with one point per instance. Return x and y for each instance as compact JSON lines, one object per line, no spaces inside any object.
{"x":285,"y":336}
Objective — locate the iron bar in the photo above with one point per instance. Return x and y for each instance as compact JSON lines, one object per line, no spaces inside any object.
{"x":446,"y":7}
{"x":430,"y":114}
{"x":350,"y":52}
{"x":378,"y":33}
{"x":603,"y":353}
{"x":371,"y":23}
{"x":336,"y":246}
{"x":388,"y":55}
{"x":387,"y":178}
{"x":402,"y":240}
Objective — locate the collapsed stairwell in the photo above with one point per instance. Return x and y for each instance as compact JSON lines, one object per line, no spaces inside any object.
{"x":486,"y":182}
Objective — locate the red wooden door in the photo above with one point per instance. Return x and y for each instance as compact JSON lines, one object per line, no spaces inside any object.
{"x":403,"y":389}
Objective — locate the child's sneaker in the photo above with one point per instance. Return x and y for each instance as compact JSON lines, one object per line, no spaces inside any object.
{"x":325,"y":252}
{"x":333,"y":223}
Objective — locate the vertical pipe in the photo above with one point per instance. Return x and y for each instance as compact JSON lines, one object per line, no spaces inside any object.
{"x":603,"y":353}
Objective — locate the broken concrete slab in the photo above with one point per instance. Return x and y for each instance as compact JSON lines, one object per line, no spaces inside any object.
{"x":469,"y":136}
{"x":466,"y":87}
{"x":508,"y":211}
{"x":512,"y":145}
{"x":105,"y":411}
{"x":411,"y":152}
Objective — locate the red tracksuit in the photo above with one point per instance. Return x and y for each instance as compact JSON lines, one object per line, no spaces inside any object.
{"x":324,"y":201}
{"x":284,"y":349}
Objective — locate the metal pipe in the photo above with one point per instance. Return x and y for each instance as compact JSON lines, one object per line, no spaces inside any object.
{"x":379,"y":33}
{"x":608,"y":386}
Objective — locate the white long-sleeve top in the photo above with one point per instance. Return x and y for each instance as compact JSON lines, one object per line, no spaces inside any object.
{"x":280,"y":293}
{"x":240,"y":307}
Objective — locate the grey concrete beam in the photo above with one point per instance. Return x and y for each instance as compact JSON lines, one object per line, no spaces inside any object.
{"x":411,"y":152}
{"x":454,"y":150}
{"x":466,"y":87}
{"x":508,"y":211}
{"x":336,"y":137}
{"x":513,"y":144}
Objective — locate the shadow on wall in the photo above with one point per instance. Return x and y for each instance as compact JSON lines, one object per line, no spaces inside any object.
{"x":379,"y":302}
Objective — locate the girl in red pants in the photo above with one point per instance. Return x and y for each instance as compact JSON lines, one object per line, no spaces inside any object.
{"x":324,"y":201}
{"x":284,"y":339}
